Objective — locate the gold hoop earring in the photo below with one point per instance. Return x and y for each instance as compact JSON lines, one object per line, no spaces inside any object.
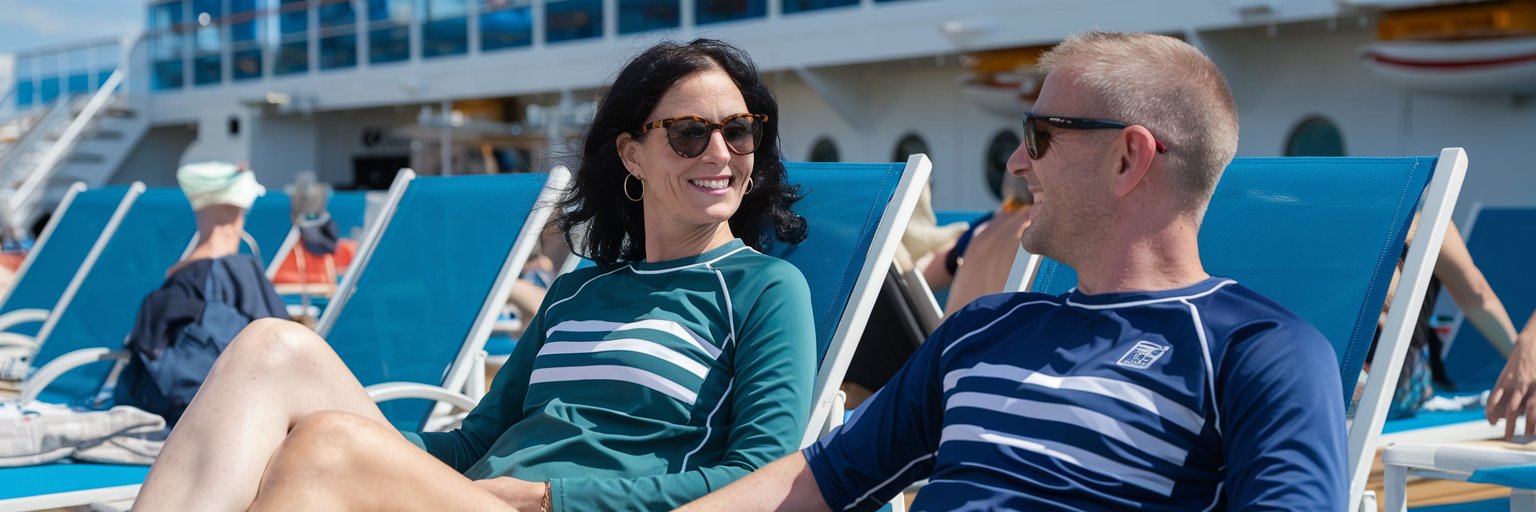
{"x":749,"y":186}
{"x":625,"y":185}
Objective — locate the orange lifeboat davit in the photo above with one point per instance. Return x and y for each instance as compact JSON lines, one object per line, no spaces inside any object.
{"x":1004,"y":82}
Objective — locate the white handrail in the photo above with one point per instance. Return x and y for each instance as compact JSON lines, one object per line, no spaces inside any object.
{"x":27,"y":193}
{"x":51,"y":113}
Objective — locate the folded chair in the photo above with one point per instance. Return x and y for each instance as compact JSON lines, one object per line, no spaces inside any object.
{"x":1500,"y":240}
{"x":431,"y":271}
{"x":78,"y":222}
{"x":1322,"y":236}
{"x":856,"y":213}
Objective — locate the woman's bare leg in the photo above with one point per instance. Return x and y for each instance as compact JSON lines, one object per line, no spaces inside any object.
{"x":343,"y":461}
{"x":272,"y":376}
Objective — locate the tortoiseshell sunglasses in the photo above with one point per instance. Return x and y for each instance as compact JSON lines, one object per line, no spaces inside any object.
{"x":689,"y":135}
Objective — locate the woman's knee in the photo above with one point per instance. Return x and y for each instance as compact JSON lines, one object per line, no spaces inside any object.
{"x":274,"y":343}
{"x":328,"y":442}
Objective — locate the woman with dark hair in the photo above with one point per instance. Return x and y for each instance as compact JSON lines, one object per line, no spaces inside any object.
{"x":682,"y":362}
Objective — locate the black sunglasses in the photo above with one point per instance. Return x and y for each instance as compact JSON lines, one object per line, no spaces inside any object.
{"x":689,"y":135}
{"x":1037,"y":140}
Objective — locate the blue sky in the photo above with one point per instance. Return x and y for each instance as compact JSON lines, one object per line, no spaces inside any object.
{"x":33,"y":23}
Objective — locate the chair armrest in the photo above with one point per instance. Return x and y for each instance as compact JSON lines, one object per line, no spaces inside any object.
{"x":398,"y":390}
{"x":1452,"y":461}
{"x":1457,"y":459}
{"x":22,"y":316}
{"x":14,"y":340}
{"x":44,"y":376}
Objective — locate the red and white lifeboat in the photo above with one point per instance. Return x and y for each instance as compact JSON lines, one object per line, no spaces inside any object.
{"x":1503,"y":65}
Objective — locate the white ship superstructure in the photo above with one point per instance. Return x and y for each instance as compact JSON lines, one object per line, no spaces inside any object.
{"x":355,"y":89}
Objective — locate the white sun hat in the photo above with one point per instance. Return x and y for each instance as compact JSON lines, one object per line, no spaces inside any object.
{"x":211,"y":183}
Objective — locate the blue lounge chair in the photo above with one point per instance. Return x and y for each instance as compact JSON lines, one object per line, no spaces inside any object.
{"x":78,"y":222}
{"x":856,"y":214}
{"x":91,"y":319}
{"x":349,"y":209}
{"x":1274,"y":226}
{"x":431,"y":270}
{"x":431,"y":275}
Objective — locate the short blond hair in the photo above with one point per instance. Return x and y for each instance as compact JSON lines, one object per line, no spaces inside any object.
{"x":1167,"y":86}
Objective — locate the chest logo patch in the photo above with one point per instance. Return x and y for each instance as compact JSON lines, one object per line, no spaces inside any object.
{"x":1142,"y":355}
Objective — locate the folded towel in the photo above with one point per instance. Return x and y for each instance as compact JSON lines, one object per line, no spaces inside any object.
{"x":1441,"y":403}
{"x":39,"y":433}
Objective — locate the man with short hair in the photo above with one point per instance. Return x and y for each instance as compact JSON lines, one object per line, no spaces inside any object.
{"x":1150,"y":386}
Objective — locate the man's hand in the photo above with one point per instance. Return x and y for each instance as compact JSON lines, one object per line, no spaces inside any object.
{"x":1515,"y":393}
{"x":525,"y":495}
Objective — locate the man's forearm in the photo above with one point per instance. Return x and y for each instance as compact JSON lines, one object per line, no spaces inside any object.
{"x":785,"y":484}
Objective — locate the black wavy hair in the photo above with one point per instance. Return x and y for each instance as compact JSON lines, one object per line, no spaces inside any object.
{"x":611,"y":225}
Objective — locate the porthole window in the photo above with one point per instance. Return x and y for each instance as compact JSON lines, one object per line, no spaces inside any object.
{"x":910,"y":144}
{"x":1315,"y":136}
{"x":1002,"y":146}
{"x":824,"y":150}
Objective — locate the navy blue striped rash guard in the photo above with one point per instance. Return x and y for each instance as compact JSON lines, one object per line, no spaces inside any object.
{"x":1209,"y":397}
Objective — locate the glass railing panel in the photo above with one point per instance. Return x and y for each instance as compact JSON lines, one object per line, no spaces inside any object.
{"x":292,"y":55}
{"x":338,"y":34}
{"x":389,"y":31}
{"x":207,"y":41}
{"x":444,"y":28}
{"x":49,"y":89}
{"x":26,"y":93}
{"x":793,"y":6}
{"x":338,"y":50}
{"x":505,"y":25}
{"x":646,"y":15}
{"x":79,"y":83}
{"x":716,"y":11}
{"x":568,"y":20}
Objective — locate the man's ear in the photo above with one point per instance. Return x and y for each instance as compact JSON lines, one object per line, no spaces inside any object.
{"x":629,"y":152}
{"x":1140,"y":147}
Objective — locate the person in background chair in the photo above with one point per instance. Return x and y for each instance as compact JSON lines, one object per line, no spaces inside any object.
{"x":1150,"y":386}
{"x":207,"y":297}
{"x":987,"y":250}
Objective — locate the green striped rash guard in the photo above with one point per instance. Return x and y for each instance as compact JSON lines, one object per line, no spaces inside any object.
{"x":648,"y":385}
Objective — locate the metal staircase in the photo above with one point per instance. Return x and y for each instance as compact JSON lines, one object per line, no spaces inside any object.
{"x":81,"y":138}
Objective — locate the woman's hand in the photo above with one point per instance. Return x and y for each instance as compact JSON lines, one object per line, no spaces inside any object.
{"x":525,"y":495}
{"x":988,"y":260}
